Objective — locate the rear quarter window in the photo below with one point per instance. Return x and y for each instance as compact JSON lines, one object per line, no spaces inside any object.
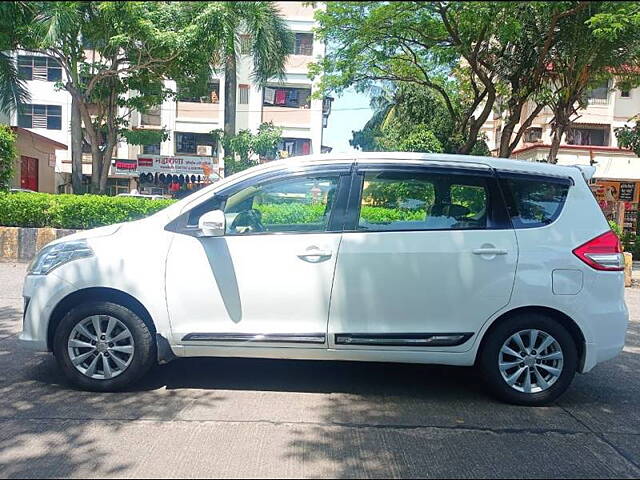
{"x":533,"y":201}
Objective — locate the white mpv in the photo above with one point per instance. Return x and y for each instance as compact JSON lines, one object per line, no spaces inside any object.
{"x":439,"y":259}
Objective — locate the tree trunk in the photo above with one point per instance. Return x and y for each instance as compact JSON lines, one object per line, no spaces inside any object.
{"x":507,"y":131}
{"x":476,"y":124}
{"x":230,"y":80}
{"x":96,"y":169}
{"x":76,"y":147}
{"x":107,"y":155}
{"x":555,"y":143}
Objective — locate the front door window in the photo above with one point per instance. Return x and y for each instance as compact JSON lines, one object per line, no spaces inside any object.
{"x":301,"y":204}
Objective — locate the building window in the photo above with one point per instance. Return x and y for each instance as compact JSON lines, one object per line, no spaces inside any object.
{"x":600,"y":94}
{"x":243,"y":97}
{"x":295,"y":146}
{"x":39,"y":68}
{"x":40,"y":116}
{"x":287,"y":97}
{"x":153,"y":149}
{"x":589,"y":136}
{"x":533,"y":134}
{"x":187,"y":143}
{"x":625,"y":93}
{"x":151,"y":117}
{"x":245,"y":44}
{"x":303,"y":44}
{"x":117,"y":185}
{"x":210,"y":94}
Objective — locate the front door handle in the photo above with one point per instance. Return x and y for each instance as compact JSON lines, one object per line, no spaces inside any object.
{"x":489,"y":251}
{"x":315,"y":254}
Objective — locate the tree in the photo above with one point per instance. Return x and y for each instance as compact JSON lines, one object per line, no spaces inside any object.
{"x":629,"y":137}
{"x":453,"y":49}
{"x":241,"y":149}
{"x":14,"y":17}
{"x":270,"y":44}
{"x":493,"y":55}
{"x":135,"y":46}
{"x":8,"y":154}
{"x":599,"y":43}
{"x":410,"y":119}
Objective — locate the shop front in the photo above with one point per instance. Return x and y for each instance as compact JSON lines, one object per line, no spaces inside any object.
{"x":619,"y":202}
{"x":175,"y":175}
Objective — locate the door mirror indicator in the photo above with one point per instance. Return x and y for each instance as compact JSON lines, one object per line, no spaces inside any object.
{"x":212,"y":224}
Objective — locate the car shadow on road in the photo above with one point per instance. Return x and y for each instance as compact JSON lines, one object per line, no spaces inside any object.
{"x":311,"y":376}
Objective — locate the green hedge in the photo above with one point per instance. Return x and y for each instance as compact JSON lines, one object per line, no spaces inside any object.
{"x":72,"y":211}
{"x":89,"y":211}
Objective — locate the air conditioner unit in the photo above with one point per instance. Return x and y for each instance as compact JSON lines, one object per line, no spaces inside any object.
{"x":204,"y":150}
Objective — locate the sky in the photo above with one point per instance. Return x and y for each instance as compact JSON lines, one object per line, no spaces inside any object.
{"x":349,"y":112}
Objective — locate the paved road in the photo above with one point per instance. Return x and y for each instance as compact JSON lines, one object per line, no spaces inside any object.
{"x":263,"y":418}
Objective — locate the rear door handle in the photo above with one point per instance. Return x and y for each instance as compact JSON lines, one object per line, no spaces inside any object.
{"x":489,"y":251}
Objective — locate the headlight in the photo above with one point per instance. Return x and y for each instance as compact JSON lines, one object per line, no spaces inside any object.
{"x":53,"y":256}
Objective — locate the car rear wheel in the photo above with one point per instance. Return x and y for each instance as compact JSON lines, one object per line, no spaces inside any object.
{"x":103,"y":346}
{"x":529,"y":360}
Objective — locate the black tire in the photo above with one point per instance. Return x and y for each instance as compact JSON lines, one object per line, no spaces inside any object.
{"x":488,"y":359}
{"x":144,"y":355}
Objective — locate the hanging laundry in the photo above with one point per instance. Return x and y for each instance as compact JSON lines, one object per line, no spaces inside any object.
{"x":281,"y":97}
{"x":292,"y":98}
{"x":269,"y":96}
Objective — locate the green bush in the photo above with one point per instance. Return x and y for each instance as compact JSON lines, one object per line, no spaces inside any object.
{"x":386,"y":215}
{"x":8,"y":155}
{"x":291,"y":213}
{"x":73,"y":211}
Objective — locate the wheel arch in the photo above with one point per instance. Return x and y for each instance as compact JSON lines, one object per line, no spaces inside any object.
{"x":96,"y":294}
{"x":565,"y":320}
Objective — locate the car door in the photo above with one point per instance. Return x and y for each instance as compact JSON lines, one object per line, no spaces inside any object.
{"x":267,"y":281}
{"x":428,"y":257}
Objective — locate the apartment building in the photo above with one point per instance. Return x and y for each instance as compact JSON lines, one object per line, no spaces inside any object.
{"x":189,"y":118}
{"x":592,"y":138}
{"x":590,"y":141}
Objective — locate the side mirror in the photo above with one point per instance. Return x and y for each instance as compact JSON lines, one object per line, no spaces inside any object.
{"x":212,"y":224}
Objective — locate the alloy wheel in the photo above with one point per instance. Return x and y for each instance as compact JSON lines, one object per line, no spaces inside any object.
{"x":101,"y":347}
{"x":531,"y":361}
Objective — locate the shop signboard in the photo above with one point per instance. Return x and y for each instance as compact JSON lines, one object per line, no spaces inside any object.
{"x":627,"y":191}
{"x":175,"y":165}
{"x":124,"y":166}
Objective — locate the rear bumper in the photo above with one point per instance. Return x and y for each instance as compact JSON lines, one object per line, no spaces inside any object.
{"x":607,"y":338}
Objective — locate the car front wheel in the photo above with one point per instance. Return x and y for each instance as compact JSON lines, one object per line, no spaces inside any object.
{"x":529,"y":360}
{"x":103,"y":346}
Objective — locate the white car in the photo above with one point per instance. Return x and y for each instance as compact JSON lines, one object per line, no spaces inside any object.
{"x":386,"y":257}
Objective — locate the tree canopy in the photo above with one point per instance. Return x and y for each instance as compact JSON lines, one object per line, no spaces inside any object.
{"x":115,"y":57}
{"x":478,"y":58}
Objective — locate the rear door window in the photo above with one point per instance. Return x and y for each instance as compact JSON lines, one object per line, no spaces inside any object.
{"x":534,"y":201}
{"x":395,"y":201}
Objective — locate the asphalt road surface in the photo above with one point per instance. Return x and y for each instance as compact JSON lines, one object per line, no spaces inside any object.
{"x":275,"y":418}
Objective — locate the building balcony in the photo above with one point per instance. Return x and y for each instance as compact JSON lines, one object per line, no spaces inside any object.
{"x":199,"y":112}
{"x":298,"y":63}
{"x":287,"y":116}
{"x":296,"y":10}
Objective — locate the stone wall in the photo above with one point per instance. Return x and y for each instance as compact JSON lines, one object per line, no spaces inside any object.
{"x":21,"y":243}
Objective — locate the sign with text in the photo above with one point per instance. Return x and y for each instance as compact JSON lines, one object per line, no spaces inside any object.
{"x":175,"y":165}
{"x":628,"y":191}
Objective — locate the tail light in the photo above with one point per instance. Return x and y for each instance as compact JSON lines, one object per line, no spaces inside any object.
{"x":602,"y":253}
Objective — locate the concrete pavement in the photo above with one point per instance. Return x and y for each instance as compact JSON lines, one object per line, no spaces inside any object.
{"x":268,"y":418}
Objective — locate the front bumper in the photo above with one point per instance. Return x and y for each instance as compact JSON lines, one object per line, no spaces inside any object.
{"x":43,"y":293}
